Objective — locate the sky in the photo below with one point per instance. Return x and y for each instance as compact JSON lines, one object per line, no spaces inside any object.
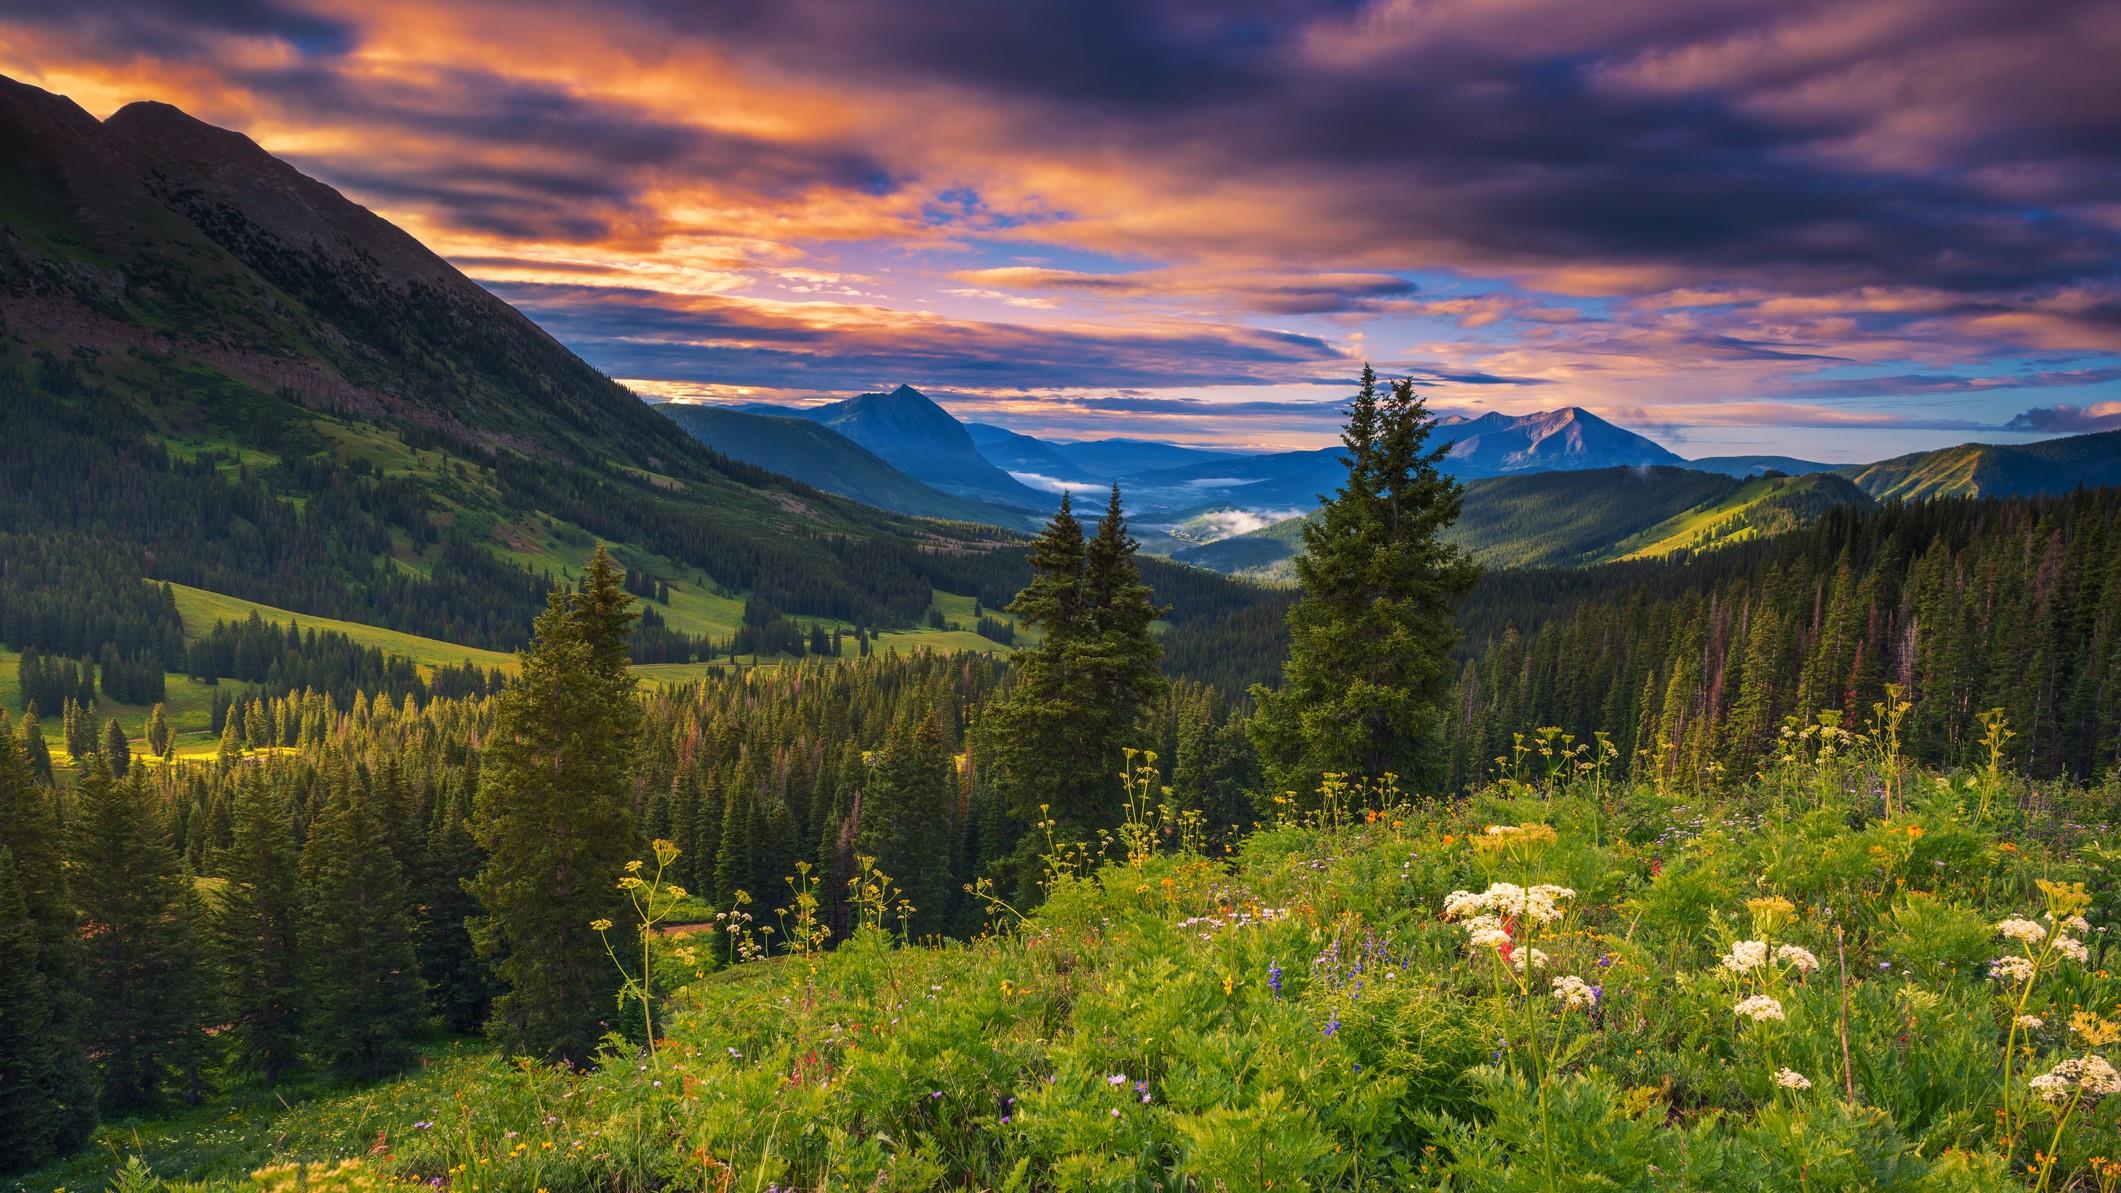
{"x":1838,"y":230}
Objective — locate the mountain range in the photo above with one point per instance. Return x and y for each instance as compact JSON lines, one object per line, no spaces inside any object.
{"x":1574,"y":518}
{"x":1559,"y":487}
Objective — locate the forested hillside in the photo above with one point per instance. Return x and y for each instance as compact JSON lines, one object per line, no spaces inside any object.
{"x":277,"y":395}
{"x":1571,"y":519}
{"x":1961,"y":605}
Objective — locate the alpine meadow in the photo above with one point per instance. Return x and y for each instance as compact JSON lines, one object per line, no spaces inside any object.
{"x":1157,"y":598}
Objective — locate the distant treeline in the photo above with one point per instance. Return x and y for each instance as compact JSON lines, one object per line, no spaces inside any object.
{"x":1696,"y":662}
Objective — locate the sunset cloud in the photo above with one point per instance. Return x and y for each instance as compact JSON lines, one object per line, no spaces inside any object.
{"x":1716,"y":215}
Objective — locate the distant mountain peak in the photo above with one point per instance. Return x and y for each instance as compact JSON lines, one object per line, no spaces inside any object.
{"x":1568,"y":437}
{"x":909,"y":431}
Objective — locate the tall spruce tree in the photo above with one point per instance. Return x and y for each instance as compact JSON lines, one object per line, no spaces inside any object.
{"x":139,"y":921}
{"x":253,"y":932}
{"x":362,"y":995}
{"x":1055,"y":742}
{"x":459,"y":985}
{"x":160,"y":738}
{"x":36,"y":753}
{"x":1370,"y":638}
{"x":30,"y":1118}
{"x":909,"y":810}
{"x":1122,"y":657}
{"x":30,"y":833}
{"x":554,"y":814}
{"x":116,"y":749}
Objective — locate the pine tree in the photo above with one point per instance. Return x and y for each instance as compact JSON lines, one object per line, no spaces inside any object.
{"x":160,"y":738}
{"x":30,"y":833}
{"x":738,"y":846}
{"x":554,"y":815}
{"x":36,"y":753}
{"x":1055,"y":741}
{"x":78,"y":726}
{"x":909,"y":801}
{"x":116,"y":749}
{"x":30,"y":1120}
{"x":231,"y":750}
{"x":253,"y":932}
{"x":1368,"y":660}
{"x":459,"y":985}
{"x":362,"y":993}
{"x":141,"y":970}
{"x":1122,"y":656}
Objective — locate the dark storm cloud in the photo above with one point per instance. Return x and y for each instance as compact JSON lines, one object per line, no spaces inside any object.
{"x":175,"y":28}
{"x":485,"y":109}
{"x":524,"y":159}
{"x":1542,"y":146}
{"x":642,"y":333}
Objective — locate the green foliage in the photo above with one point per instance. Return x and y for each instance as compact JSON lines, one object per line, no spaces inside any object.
{"x":140,"y":921}
{"x":30,"y":1117}
{"x":1996,"y":617}
{"x":554,"y":815}
{"x":361,"y":992}
{"x":1324,"y":1010}
{"x":252,"y":932}
{"x":1079,"y":693}
{"x":1369,"y":636}
{"x":909,"y":816}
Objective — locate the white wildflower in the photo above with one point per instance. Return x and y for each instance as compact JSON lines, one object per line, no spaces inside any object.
{"x":2090,"y":1076}
{"x":1792,"y":1079}
{"x":1800,"y":959}
{"x":1760,"y":1009}
{"x":1543,"y":903}
{"x":2052,"y":1086}
{"x":1745,"y":956}
{"x":1523,"y":958}
{"x":1573,"y":993}
{"x":2098,"y":1077}
{"x":2072,"y":948}
{"x":1462,"y":903}
{"x":2076,"y":923}
{"x":1486,"y":932}
{"x":2011,"y":969}
{"x":2020,"y":929}
{"x":2030,"y":1022}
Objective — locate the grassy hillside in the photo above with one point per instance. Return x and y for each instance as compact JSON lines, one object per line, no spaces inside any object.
{"x":188,"y":705}
{"x":1561,"y":519}
{"x":1996,"y":470}
{"x":1261,"y":554}
{"x":689,"y":609}
{"x":201,"y":609}
{"x":1764,"y":506}
{"x":1785,"y":985}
